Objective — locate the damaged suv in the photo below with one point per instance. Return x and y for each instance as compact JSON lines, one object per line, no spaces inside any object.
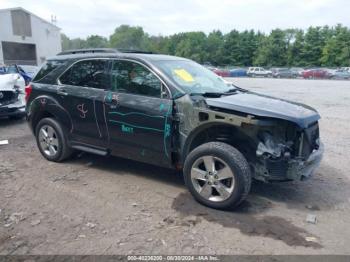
{"x":171,"y":112}
{"x":12,"y":103}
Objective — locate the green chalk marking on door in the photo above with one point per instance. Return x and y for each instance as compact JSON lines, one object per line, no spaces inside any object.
{"x":109,"y":97}
{"x":127,"y":129}
{"x":167,"y":130}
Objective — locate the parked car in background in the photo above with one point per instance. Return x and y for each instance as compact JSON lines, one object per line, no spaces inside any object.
{"x":258,"y":71}
{"x":297,"y":71}
{"x":238,"y":72}
{"x":282,"y":73}
{"x":16,"y":69}
{"x":221,"y":72}
{"x":29,"y":70}
{"x":315,"y":73}
{"x":339,"y":74}
{"x":346,"y":69}
{"x":12,"y":102}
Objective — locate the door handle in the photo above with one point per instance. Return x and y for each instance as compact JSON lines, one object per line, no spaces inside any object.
{"x":62,"y":91}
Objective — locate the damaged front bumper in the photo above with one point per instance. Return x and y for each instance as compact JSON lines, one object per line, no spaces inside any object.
{"x":15,"y":108}
{"x":289,"y":169}
{"x":301,"y":170}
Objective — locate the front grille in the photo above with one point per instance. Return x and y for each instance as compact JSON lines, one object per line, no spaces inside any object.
{"x":277,"y":169}
{"x":308,"y":140}
{"x":7,"y":97}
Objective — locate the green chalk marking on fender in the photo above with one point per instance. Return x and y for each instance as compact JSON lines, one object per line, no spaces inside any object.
{"x":161,"y":107}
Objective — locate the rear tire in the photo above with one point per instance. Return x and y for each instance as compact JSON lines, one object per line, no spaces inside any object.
{"x":228,"y":182}
{"x":52,"y":140}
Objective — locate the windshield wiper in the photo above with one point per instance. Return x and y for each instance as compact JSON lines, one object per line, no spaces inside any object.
{"x":208,"y":94}
{"x":216,"y":94}
{"x":232,"y":90}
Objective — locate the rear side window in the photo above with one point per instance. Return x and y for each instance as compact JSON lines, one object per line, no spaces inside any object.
{"x":47,"y":68}
{"x":87,"y":73}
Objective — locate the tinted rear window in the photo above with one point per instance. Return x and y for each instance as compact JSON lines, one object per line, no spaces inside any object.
{"x":47,"y":68}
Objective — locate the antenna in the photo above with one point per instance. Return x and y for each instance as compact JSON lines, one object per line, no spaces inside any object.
{"x":53,"y":19}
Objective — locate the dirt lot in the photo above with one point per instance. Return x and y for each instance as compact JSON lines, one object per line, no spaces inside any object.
{"x":95,"y":205}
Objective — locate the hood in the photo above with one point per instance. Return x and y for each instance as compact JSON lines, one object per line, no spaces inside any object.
{"x":8,"y":81}
{"x":266,"y":106}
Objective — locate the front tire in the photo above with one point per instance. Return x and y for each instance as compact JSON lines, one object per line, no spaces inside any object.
{"x":51,"y":140}
{"x":217,"y":175}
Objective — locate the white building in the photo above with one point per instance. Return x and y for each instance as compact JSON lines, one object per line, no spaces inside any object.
{"x":25,"y":38}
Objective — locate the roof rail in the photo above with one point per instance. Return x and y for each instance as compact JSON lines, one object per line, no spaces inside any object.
{"x":134,"y":51}
{"x":88,"y":50}
{"x":102,"y":50}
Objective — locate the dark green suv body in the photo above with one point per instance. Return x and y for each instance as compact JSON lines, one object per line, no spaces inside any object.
{"x":171,"y":112}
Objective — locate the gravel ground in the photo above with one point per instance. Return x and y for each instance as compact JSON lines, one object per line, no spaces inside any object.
{"x":96,"y":205}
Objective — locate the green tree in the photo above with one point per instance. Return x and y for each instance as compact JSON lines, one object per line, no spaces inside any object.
{"x":249,"y":43}
{"x":313,"y":45}
{"x":192,"y":46}
{"x":327,"y":46}
{"x":95,"y":41}
{"x":232,"y":48}
{"x":214,"y":48}
{"x":129,"y":37}
{"x":273,"y":49}
{"x":336,"y":51}
{"x":76,"y":43}
{"x":295,"y":49}
{"x":65,"y":42}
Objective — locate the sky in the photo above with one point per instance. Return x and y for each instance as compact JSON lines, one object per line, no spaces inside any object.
{"x":79,"y":18}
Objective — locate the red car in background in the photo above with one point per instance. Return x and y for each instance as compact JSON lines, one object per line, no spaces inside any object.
{"x":221,"y":72}
{"x":315,"y":73}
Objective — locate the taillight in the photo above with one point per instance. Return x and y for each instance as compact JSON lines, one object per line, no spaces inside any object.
{"x":28,"y":91}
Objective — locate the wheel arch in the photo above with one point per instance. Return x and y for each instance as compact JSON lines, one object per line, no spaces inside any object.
{"x":46,"y":106}
{"x":219,"y":132}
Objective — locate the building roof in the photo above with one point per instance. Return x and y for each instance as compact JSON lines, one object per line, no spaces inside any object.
{"x":21,"y":8}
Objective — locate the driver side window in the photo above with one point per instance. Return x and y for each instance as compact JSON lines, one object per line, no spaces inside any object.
{"x":133,"y":78}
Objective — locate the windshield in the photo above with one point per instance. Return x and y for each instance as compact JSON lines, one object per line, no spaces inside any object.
{"x":192,"y":77}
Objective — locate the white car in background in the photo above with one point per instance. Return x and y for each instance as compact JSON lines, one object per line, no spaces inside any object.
{"x":12,"y":97}
{"x":258,"y":71}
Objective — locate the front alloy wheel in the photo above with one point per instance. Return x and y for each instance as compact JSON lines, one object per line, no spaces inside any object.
{"x":217,"y":175}
{"x":212,"y":178}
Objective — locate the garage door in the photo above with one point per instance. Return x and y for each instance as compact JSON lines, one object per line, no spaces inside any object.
{"x":18,"y":53}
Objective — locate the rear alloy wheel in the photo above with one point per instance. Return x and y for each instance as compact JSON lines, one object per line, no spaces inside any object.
{"x":51,"y":140}
{"x":48,"y":140}
{"x":217,"y":175}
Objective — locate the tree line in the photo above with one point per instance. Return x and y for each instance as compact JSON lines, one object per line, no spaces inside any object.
{"x":315,"y":46}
